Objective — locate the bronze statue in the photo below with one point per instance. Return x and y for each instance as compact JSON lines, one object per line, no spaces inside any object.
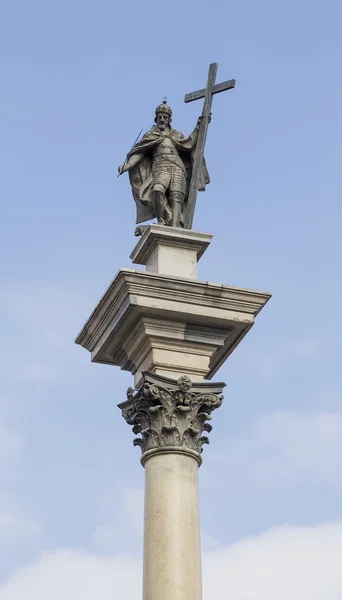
{"x":167,"y":169}
{"x":160,"y":169}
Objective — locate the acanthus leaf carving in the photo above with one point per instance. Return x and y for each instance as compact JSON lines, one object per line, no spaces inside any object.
{"x":166,"y":412}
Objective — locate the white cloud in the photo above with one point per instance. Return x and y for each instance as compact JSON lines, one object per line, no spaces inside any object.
{"x":209,"y":543}
{"x":66,"y":575}
{"x":301,"y":563}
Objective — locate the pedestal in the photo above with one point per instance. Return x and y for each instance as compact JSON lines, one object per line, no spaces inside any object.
{"x":166,"y":323}
{"x":171,"y":332}
{"x":170,"y":250}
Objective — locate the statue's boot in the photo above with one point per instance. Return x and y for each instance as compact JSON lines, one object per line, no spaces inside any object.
{"x":176,"y":205}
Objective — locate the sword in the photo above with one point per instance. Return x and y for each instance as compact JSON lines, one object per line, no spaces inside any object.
{"x":138,"y":136}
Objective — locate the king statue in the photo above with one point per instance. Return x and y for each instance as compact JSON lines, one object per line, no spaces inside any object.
{"x":160,"y":170}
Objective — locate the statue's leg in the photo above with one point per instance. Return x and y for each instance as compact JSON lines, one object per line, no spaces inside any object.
{"x":176,"y":201}
{"x":177,"y":194}
{"x":159,"y":202}
{"x":161,"y":175}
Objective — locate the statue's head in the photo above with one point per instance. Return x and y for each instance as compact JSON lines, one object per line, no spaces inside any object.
{"x":163,"y":116}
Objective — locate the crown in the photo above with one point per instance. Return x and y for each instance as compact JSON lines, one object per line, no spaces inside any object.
{"x":164,"y":107}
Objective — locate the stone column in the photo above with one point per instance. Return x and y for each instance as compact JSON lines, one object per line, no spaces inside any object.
{"x":163,"y":325}
{"x":172,"y":550}
{"x":171,"y":416}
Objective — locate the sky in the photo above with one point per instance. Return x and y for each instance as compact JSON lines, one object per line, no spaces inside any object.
{"x":79,"y":81}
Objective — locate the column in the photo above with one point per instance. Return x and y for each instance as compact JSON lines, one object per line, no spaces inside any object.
{"x":172,"y":548}
{"x":171,"y":416}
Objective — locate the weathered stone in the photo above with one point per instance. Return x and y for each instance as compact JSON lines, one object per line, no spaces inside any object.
{"x":170,"y":250}
{"x":169,"y":325}
{"x":171,"y":414}
{"x":172,"y":549}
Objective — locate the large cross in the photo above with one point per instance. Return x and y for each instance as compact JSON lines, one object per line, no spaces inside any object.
{"x":207,"y":94}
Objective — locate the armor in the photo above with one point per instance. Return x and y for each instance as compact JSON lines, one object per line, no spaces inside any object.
{"x":160,"y":168}
{"x":169,"y":175}
{"x":168,"y":168}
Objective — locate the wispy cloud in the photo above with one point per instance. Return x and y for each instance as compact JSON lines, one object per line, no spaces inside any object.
{"x":301,"y":563}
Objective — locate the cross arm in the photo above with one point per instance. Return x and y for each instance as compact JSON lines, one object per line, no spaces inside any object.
{"x":219,"y":87}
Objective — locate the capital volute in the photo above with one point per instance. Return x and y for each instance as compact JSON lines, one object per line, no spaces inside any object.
{"x":171,"y":414}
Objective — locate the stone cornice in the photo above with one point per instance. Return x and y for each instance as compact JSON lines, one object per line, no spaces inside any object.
{"x":130,"y":284}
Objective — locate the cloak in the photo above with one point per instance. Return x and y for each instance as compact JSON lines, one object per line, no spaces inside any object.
{"x":141,"y":174}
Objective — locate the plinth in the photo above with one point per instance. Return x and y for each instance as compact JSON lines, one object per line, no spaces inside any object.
{"x":172,"y":332}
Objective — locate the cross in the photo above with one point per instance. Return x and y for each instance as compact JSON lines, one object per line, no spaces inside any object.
{"x":207,"y":94}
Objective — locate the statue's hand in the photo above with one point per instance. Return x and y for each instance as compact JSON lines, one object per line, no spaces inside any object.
{"x":200,"y":119}
{"x":122,"y":169}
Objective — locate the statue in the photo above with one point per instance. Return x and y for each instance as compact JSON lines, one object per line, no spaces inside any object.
{"x":160,"y":169}
{"x":167,"y":169}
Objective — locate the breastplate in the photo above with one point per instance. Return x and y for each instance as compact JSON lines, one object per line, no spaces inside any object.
{"x":166,"y":147}
{"x":166,"y":143}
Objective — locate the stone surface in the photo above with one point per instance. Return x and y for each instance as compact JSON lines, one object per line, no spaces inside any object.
{"x":171,"y":414}
{"x":170,"y":250}
{"x":168,"y":325}
{"x":172,"y":555}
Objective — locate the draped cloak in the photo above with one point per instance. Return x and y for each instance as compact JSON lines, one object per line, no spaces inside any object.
{"x":141,"y":174}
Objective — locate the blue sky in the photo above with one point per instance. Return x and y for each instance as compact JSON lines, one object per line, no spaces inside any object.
{"x":79,"y":81}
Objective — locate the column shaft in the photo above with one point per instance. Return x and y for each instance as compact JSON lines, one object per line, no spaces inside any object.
{"x":172,"y":554}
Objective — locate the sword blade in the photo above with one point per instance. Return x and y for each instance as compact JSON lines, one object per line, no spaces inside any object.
{"x":138,"y":136}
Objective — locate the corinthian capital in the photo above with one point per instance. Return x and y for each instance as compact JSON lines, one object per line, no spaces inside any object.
{"x":171,"y":414}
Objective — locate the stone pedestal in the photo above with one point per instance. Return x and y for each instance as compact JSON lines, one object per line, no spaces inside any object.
{"x":170,"y":250}
{"x":171,"y":332}
{"x":164,"y":322}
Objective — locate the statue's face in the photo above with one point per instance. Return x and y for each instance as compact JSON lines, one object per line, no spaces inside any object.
{"x":163,"y":120}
